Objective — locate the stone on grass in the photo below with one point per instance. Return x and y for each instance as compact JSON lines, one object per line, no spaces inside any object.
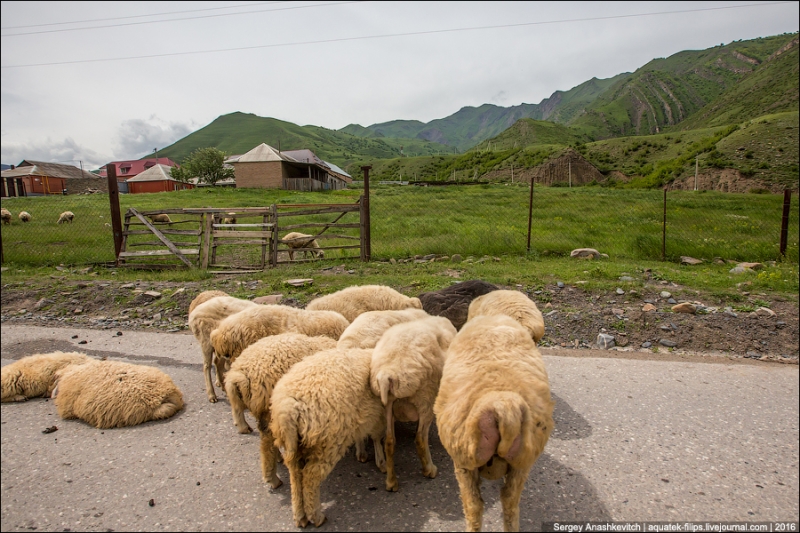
{"x":267,"y":300}
{"x":685,"y":307}
{"x":765,"y":311}
{"x":590,"y":253}
{"x":686,"y":260}
{"x":667,"y":342}
{"x":648,"y":307}
{"x":605,"y":341}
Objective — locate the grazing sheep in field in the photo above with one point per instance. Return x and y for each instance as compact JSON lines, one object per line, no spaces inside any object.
{"x":163,"y":217}
{"x":405,"y":372}
{"x":230,"y":219}
{"x":203,"y":297}
{"x":253,"y":375}
{"x":66,"y":216}
{"x":237,"y":332}
{"x":453,"y":302}
{"x":33,"y":376}
{"x":202,"y":321}
{"x":368,"y":328}
{"x":321,"y":407}
{"x":494,"y":412}
{"x":25,"y":216}
{"x":511,"y":303}
{"x":295,"y":240}
{"x":5,"y":215}
{"x":113,"y":394}
{"x":353,"y":301}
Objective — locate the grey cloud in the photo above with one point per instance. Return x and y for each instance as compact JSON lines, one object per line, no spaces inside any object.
{"x":137,"y":138}
{"x":499,"y":97}
{"x":65,"y":151}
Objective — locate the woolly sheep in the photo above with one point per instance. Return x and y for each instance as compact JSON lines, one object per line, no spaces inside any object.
{"x":253,"y":375}
{"x":33,"y":376}
{"x":367,"y":328}
{"x":353,"y":301}
{"x":230,"y":219}
{"x":25,"y":216}
{"x":295,"y":240}
{"x":494,"y":411}
{"x":321,"y":407}
{"x":238,"y":331}
{"x":405,"y":372}
{"x":511,"y":303}
{"x":202,"y":321}
{"x":112,"y":394}
{"x":204,"y":297}
{"x":453,"y":301}
{"x":66,"y":216}
{"x":162,"y":217}
{"x":5,"y":215}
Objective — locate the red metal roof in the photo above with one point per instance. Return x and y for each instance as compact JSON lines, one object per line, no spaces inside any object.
{"x":136,"y":166}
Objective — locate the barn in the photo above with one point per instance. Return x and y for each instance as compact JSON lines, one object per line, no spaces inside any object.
{"x":42,"y":178}
{"x":156,"y":179}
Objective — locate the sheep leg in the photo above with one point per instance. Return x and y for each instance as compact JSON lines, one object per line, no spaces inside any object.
{"x":380,"y":459}
{"x":510,"y":495}
{"x":269,"y":456}
{"x":314,"y":473}
{"x":469,"y":484}
{"x":237,"y":408}
{"x":391,"y":479}
{"x":296,"y":482}
{"x":423,"y":449}
{"x":208,"y":353}
{"x":361,"y":450}
{"x":220,"y":375}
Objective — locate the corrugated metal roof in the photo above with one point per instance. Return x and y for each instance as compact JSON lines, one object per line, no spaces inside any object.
{"x":43,"y":168}
{"x":154,"y":173}
{"x":263,"y":152}
{"x":304,"y":156}
{"x":338,"y":170}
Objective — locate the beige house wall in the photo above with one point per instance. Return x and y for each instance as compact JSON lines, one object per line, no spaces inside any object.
{"x":259,"y":175}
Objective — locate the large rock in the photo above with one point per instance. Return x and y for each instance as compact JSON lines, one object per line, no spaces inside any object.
{"x":685,"y":307}
{"x":453,"y":302}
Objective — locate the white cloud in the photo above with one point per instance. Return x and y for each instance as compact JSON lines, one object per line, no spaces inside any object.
{"x":137,"y":138}
{"x":65,"y":151}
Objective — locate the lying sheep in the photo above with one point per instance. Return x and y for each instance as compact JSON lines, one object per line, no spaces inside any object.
{"x":511,"y":303}
{"x":66,"y":216}
{"x":5,"y":215}
{"x":204,"y":297}
{"x":321,"y":407}
{"x":494,"y":412}
{"x":202,"y":321}
{"x":368,"y":328}
{"x":295,"y":240}
{"x":162,"y":217}
{"x":405,"y":372}
{"x":25,"y":216}
{"x":33,"y":376}
{"x":112,"y":394}
{"x":252,"y":377}
{"x":238,"y":331}
{"x":353,"y":301}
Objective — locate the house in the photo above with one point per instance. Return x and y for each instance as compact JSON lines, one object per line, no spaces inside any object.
{"x":156,"y":179}
{"x":264,"y":167}
{"x":41,"y":178}
{"x":128,"y":169}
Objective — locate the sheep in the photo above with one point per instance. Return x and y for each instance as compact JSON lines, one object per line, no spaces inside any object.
{"x":512,"y":303}
{"x":253,"y":375}
{"x":367,"y":328}
{"x":5,"y":215}
{"x":204,"y":297}
{"x":202,"y":321}
{"x":161,"y":217}
{"x":230,"y":219}
{"x":33,"y":375}
{"x":240,"y":330}
{"x":66,"y":216}
{"x":112,"y":394}
{"x":453,"y":302}
{"x":353,"y":301}
{"x":25,"y":216}
{"x":493,"y":411}
{"x":405,"y":372}
{"x":295,"y":240}
{"x":321,"y":407}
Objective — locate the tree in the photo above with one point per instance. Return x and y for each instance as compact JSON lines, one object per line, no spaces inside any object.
{"x":206,"y":164}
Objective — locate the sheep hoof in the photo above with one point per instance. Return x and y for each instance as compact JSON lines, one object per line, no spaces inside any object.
{"x":275,"y":483}
{"x":392,"y":486}
{"x":218,"y":384}
{"x":19,"y":398}
{"x":212,"y":399}
{"x":431,"y":472}
{"x":319,"y":520}
{"x":245,"y":430}
{"x":303,"y":522}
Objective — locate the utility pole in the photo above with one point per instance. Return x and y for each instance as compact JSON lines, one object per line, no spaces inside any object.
{"x":155,"y":150}
{"x":570,"y":172}
{"x":512,"y":172}
{"x":696,"y":165}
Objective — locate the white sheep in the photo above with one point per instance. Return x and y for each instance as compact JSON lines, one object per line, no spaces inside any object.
{"x":5,"y":215}
{"x":202,"y":321}
{"x":321,"y":407}
{"x":230,"y":219}
{"x":33,"y":375}
{"x":353,"y":301}
{"x":511,"y":303}
{"x":203,"y":297}
{"x":112,"y":394}
{"x":238,"y":331}
{"x":253,"y":375}
{"x":295,"y":240}
{"x":25,"y":216}
{"x":494,"y":411}
{"x":367,"y":328}
{"x":66,"y":216}
{"x":405,"y":372}
{"x":162,"y":217}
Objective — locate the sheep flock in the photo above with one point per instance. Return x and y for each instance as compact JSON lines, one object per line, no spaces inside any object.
{"x":336,"y":375}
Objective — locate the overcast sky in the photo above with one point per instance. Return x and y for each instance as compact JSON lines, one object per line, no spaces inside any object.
{"x":103,"y":81}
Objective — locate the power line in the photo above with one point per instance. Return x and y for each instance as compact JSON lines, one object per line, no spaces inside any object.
{"x":177,"y":19}
{"x":384,"y":36}
{"x":138,"y":16}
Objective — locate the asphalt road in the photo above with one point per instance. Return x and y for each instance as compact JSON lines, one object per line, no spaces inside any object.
{"x":634,"y":440}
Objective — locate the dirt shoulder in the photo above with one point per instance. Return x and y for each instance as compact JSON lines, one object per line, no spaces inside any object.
{"x":574,"y":317}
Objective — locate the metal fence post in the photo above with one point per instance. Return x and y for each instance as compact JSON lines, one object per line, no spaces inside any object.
{"x":367,"y":253}
{"x":530,"y":215}
{"x":787,"y":202}
{"x":116,"y":217}
{"x":664,"y":230}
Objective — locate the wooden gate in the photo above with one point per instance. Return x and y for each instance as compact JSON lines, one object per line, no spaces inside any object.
{"x":182,"y":250}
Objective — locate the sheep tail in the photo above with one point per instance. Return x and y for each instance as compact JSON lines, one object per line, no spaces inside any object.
{"x":287,"y":436}
{"x":500,"y":418}
{"x":386,"y":386}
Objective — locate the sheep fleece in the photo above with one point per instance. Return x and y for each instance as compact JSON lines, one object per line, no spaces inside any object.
{"x":368,"y":328}
{"x":515,"y":304}
{"x":33,"y":376}
{"x":353,"y":301}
